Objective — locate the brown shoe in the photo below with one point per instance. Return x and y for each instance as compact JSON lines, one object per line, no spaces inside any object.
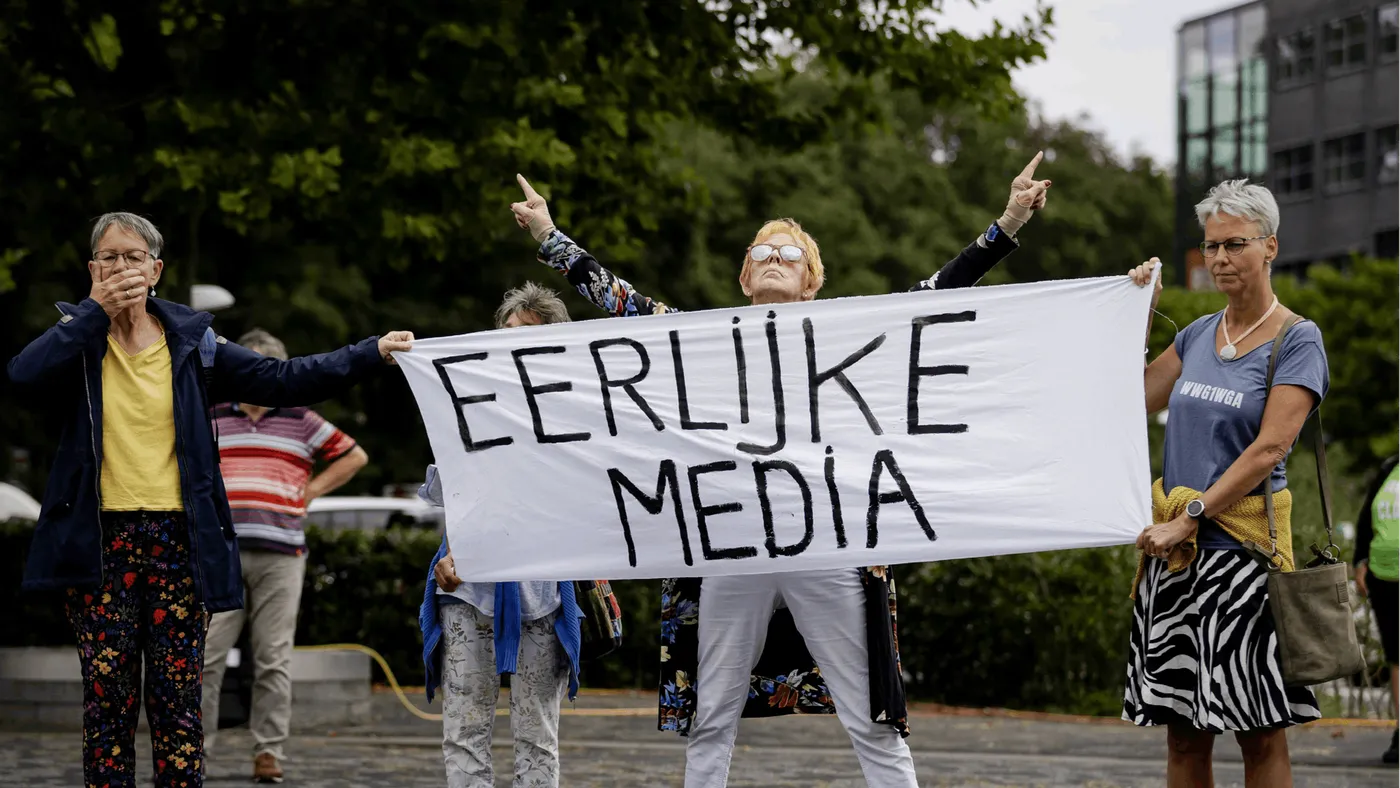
{"x":266,"y":769}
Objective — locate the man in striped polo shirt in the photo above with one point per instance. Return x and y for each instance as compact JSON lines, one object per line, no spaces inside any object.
{"x":266,"y":459}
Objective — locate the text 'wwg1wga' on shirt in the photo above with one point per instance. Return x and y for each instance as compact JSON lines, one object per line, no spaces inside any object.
{"x":1217,"y":406}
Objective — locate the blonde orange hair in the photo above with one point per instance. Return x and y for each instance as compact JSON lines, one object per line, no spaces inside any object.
{"x":816,"y":273}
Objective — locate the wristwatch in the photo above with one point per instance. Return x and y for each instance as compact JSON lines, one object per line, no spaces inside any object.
{"x":1196,"y":509}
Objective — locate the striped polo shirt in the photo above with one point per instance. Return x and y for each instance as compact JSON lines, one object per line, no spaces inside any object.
{"x":266,"y":465}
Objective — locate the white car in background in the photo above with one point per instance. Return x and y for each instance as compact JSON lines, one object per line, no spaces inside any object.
{"x":16,"y":504}
{"x":372,"y":513}
{"x":335,"y":512}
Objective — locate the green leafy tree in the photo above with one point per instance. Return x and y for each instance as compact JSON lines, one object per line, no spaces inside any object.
{"x":891,"y":199}
{"x":345,"y":167}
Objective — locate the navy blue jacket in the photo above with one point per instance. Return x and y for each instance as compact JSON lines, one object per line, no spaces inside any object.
{"x":62,"y":372}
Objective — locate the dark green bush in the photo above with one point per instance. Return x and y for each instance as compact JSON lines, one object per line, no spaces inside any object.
{"x":1036,"y":631}
{"x":1040,"y":631}
{"x":365,"y":587}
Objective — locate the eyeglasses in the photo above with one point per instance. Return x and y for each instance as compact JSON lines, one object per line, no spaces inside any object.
{"x":137,"y":256}
{"x":1233,"y":246}
{"x":790,"y":253}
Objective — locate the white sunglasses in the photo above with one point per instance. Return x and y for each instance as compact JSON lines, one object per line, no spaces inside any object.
{"x":790,"y":253}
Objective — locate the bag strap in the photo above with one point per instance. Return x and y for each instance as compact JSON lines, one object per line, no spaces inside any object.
{"x":1312,"y":431}
{"x":1324,"y":484}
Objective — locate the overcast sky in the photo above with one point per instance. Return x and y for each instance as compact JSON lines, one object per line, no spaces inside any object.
{"x":1113,"y":60}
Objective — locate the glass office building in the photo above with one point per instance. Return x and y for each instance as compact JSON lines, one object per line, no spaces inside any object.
{"x":1303,"y":96}
{"x":1222,"y":114}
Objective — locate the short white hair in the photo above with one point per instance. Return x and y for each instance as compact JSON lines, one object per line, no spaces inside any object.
{"x":538,"y":300}
{"x":1243,"y":200}
{"x":138,"y":225}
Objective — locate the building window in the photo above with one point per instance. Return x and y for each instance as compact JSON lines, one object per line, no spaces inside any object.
{"x":1252,"y":22}
{"x":1254,"y":90}
{"x":1197,"y":159}
{"x":1388,"y":164}
{"x":1293,"y":170}
{"x":1224,"y":152}
{"x":1293,"y":56}
{"x":1193,"y":51}
{"x":1254,"y":156}
{"x":1344,"y":43}
{"x":1220,"y":44}
{"x":1388,"y":33}
{"x":1344,"y":162}
{"x":1197,"y":106}
{"x":1224,"y":110}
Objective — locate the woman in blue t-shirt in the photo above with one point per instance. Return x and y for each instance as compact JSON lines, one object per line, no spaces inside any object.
{"x":1203,"y":656}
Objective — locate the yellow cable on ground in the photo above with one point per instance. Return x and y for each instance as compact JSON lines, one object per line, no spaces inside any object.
{"x":935,"y":711}
{"x":384,"y":666}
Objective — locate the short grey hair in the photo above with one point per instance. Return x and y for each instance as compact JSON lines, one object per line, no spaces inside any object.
{"x":1243,"y":200}
{"x":530,"y":297}
{"x":263,"y":343}
{"x":138,"y":225}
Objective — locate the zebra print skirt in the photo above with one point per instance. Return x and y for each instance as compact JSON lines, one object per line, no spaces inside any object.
{"x":1203,"y":649}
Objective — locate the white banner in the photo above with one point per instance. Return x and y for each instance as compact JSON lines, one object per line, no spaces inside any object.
{"x":835,"y":433}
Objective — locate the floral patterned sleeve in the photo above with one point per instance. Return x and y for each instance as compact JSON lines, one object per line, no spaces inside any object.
{"x":605,"y":289}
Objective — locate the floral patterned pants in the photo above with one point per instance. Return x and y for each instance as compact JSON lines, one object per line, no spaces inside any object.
{"x":471,"y":686}
{"x":147,"y":605}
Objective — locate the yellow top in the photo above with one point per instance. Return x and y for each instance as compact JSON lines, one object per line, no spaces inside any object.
{"x":139,"y":469}
{"x":1246,"y":520}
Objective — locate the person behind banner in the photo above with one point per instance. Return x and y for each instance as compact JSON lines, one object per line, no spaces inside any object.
{"x":1203,"y":652}
{"x":135,"y":525}
{"x":1377,"y":571}
{"x":829,"y":636}
{"x":266,"y":458}
{"x":474,"y":632}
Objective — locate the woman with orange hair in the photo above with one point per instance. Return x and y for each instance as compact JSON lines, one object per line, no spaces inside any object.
{"x":807,"y":641}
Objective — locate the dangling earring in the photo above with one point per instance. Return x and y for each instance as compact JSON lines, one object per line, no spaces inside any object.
{"x":153,"y":291}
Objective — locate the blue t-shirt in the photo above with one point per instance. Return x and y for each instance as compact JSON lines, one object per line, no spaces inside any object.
{"x":1216,"y":407}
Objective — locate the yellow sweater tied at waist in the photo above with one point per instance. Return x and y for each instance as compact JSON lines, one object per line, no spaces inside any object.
{"x":1247,"y":520}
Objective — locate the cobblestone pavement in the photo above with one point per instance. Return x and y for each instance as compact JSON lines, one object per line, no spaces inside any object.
{"x":620,"y":747}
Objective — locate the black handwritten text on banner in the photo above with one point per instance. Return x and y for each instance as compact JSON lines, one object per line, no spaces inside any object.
{"x":836,"y":433}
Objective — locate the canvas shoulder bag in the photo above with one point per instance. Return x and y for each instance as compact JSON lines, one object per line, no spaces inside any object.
{"x":1311,"y":605}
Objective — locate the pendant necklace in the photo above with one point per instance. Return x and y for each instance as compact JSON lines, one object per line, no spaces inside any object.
{"x":1228,"y":352}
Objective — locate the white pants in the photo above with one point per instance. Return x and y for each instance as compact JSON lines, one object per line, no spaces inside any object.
{"x":471,"y":687}
{"x":272,"y":588}
{"x":829,"y":609}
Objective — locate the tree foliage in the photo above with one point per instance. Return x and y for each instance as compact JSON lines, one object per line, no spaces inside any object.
{"x":345,"y":167}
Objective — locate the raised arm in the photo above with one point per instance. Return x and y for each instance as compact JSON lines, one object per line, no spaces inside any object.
{"x":990,"y":248}
{"x":606,"y":290}
{"x":245,"y":376}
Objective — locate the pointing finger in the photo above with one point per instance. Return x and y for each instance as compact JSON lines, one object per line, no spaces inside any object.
{"x":1029,"y":171}
{"x":530,"y":193}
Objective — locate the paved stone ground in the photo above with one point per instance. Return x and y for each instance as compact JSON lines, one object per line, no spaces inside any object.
{"x":610,"y":740}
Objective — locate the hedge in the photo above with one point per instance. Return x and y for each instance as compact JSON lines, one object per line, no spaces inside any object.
{"x":1044,"y":631}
